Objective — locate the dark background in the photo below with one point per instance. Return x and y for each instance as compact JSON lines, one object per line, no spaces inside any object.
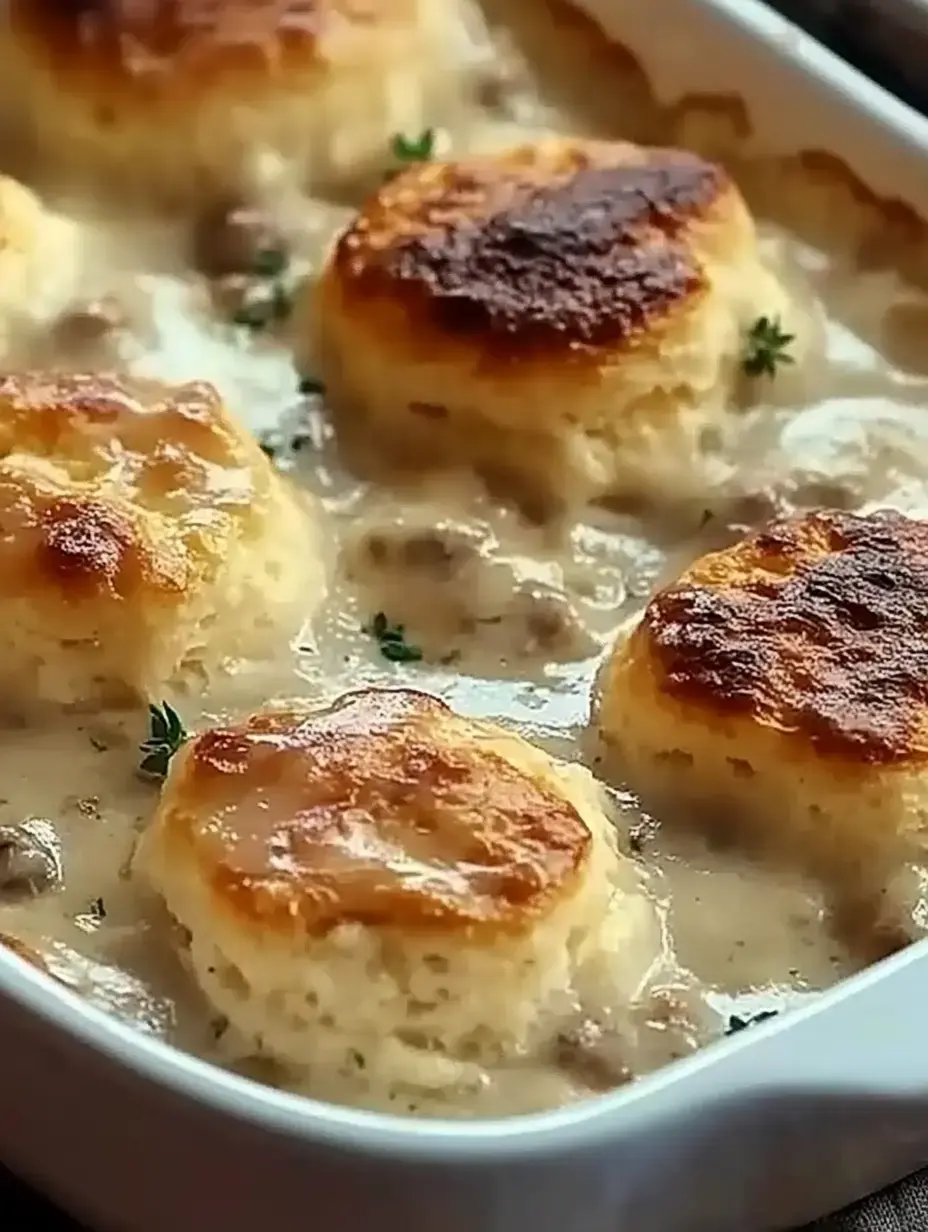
{"x":886,"y":40}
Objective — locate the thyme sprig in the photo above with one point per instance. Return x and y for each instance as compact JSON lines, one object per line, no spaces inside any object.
{"x":419,"y":149}
{"x":766,"y":347}
{"x":391,"y":640}
{"x":740,"y":1022}
{"x":166,"y":734}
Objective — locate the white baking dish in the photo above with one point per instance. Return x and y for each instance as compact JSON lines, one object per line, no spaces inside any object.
{"x":774,"y":1127}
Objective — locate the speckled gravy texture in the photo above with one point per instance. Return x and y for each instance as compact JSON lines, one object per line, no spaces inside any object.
{"x":511,"y":617}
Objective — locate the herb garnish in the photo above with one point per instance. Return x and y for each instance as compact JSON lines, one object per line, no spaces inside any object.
{"x":738,"y":1022}
{"x":392,"y":640}
{"x":414,"y":149}
{"x":766,"y":347}
{"x":166,"y":734}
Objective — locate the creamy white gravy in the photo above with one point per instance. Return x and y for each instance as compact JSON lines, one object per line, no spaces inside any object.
{"x":512,"y":617}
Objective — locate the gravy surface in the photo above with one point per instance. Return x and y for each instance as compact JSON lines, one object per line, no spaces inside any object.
{"x":511,"y":617}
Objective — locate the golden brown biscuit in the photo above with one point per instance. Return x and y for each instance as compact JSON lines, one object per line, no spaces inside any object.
{"x":386,"y":879}
{"x":144,"y":539}
{"x":781,"y":685}
{"x":165,"y":96}
{"x":566,"y":316}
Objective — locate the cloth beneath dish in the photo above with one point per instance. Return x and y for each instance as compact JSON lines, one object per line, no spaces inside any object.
{"x":903,"y":1208}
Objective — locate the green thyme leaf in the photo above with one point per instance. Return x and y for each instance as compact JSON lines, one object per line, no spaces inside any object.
{"x":400,"y":652}
{"x":414,"y":149}
{"x":166,"y":734}
{"x":392,"y":640}
{"x":766,"y":347}
{"x":739,"y":1022}
{"x":154,"y":765}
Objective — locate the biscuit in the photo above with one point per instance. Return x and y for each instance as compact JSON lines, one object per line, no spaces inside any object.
{"x":144,"y":539}
{"x":169,"y":97}
{"x":566,"y":317}
{"x":778,"y":691}
{"x":384,"y":879}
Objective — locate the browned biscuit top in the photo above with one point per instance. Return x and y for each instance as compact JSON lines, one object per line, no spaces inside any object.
{"x":385,"y":809}
{"x":574,"y":245}
{"x":163,"y":45}
{"x":112,"y":490}
{"x":816,"y":625}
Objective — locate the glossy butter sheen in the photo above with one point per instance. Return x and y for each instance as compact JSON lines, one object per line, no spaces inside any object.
{"x":375,"y":812}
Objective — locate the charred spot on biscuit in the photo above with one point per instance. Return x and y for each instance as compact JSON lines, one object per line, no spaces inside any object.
{"x":817,"y":623}
{"x":562,"y":264}
{"x":87,"y":545}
